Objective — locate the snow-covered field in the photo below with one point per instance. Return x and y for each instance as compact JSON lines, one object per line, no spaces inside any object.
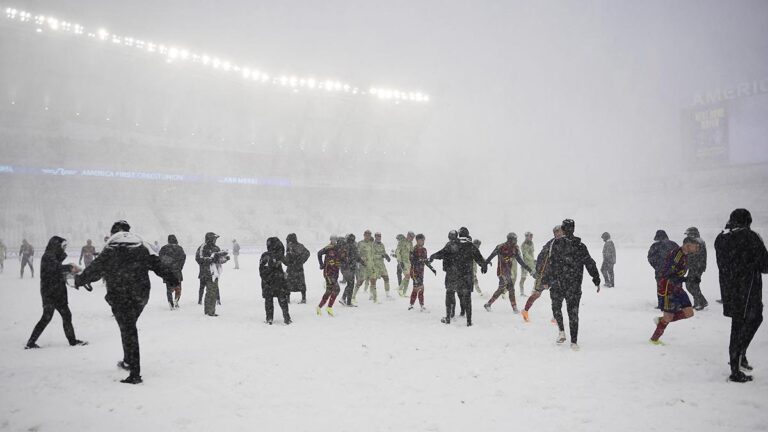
{"x":376,"y":367}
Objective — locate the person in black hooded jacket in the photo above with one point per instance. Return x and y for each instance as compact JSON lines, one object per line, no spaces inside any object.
{"x":350,"y":259}
{"x":659,"y":250}
{"x":295,"y":257}
{"x":204,"y":258}
{"x":125,"y":263}
{"x":564,"y":275}
{"x":53,"y":290}
{"x":741,"y":258}
{"x":173,"y":256}
{"x":273,"y":281}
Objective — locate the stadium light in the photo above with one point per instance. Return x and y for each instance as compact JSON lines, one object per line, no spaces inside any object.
{"x":172,"y":53}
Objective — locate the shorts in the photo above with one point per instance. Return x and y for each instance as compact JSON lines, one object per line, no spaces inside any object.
{"x":674,"y":302}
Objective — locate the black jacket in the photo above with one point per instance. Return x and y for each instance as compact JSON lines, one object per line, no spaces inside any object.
{"x":457,"y":262}
{"x":172,"y":255}
{"x":658,"y":252}
{"x":125,"y":263}
{"x":697,"y":263}
{"x":295,"y":256}
{"x":53,"y":274}
{"x":273,"y":281}
{"x":741,"y":257}
{"x":565,"y":269}
{"x":204,"y":257}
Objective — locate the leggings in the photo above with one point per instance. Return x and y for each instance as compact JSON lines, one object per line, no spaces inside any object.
{"x":66,"y":318}
{"x":572,"y":300}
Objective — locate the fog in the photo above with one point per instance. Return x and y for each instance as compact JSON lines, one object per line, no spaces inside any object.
{"x":537,"y":111}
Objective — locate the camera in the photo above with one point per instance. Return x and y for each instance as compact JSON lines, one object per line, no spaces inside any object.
{"x":220,"y":257}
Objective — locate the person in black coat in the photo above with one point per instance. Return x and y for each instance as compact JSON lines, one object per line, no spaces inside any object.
{"x":445,"y":254}
{"x":564,"y":275}
{"x":273,"y":281}
{"x":125,"y":263}
{"x":53,"y":290}
{"x":295,"y":257}
{"x":204,"y":258}
{"x":461,"y":254}
{"x":350,"y":259}
{"x":172,"y":255}
{"x":741,"y":258}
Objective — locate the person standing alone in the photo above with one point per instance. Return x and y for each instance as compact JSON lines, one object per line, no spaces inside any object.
{"x":172,"y":255}
{"x":697,"y":265}
{"x":609,"y":259}
{"x":236,"y":253}
{"x":26,"y":253}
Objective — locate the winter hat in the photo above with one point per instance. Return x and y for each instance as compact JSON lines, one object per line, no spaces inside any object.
{"x":569,"y":226}
{"x":411,"y":234}
{"x":172,"y":239}
{"x":453,"y":235}
{"x":291,"y":238}
{"x":210,"y":237}
{"x":605,"y":236}
{"x":463,"y":232}
{"x":661,"y":235}
{"x":512,"y":237}
{"x":692,"y":232}
{"x":351,"y":238}
{"x":119,"y":226}
{"x":400,"y":237}
{"x":740,"y":218}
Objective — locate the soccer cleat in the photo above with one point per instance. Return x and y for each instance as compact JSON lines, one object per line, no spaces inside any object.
{"x":514,"y":309}
{"x":31,"y":345}
{"x":525,"y":316}
{"x":319,"y":310}
{"x":560,"y":337}
{"x":744,"y":364}
{"x":329,"y":310}
{"x":288,"y":321}
{"x":656,"y":342}
{"x":575,"y":346}
{"x":410,"y":307}
{"x":423,"y":309}
{"x":78,"y":342}
{"x":445,"y":320}
{"x":469,"y":323}
{"x":740,"y":377}
{"x":132,"y":379}
{"x":487,"y":307}
{"x":269,"y":321}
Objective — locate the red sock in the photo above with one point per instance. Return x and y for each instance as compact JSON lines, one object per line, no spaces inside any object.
{"x":678,"y":316}
{"x":531,"y":299}
{"x":325,"y":298}
{"x":659,"y":330}
{"x":332,"y":299}
{"x":494,"y":297}
{"x":414,"y":294}
{"x":421,"y":297}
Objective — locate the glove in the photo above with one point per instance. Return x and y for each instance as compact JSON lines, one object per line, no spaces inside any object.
{"x":387,"y":257}
{"x":322,"y":266}
{"x":434,"y":272}
{"x":535,"y":275}
{"x":596,"y":281}
{"x":694,"y":279}
{"x":484,"y":269}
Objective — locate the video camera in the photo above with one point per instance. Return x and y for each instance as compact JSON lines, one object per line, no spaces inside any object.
{"x":221,"y":257}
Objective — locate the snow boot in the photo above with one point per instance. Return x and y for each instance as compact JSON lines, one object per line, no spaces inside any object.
{"x":132,"y":379}
{"x":740,"y":377}
{"x":445,"y":320}
{"x":31,"y":345}
{"x":487,"y":307}
{"x":575,"y":346}
{"x":78,"y":342}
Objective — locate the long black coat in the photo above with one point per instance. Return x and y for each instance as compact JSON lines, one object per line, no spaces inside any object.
{"x":125,"y":263}
{"x":565,"y":269}
{"x":658,"y":252}
{"x":294,"y":260}
{"x":204,"y":257}
{"x":697,"y":262}
{"x":53,"y":274}
{"x":741,"y":258}
{"x":459,"y":257}
{"x":273,"y":282}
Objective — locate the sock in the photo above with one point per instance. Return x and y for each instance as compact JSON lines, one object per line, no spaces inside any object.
{"x":679,"y":315}
{"x":324,"y":299}
{"x":331,"y":300}
{"x":659,"y":330}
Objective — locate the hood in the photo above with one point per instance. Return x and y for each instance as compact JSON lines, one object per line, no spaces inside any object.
{"x":54,"y":248}
{"x":692,"y":232}
{"x":125,"y":239}
{"x":291,"y":239}
{"x":463,"y":232}
{"x":740,"y":218}
{"x":605,"y":236}
{"x":275,"y":246}
{"x":400,"y":237}
{"x":210,"y":237}
{"x":351,"y":238}
{"x":172,"y":239}
{"x":661,"y":235}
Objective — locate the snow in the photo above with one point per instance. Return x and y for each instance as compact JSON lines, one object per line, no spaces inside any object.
{"x":376,"y":367}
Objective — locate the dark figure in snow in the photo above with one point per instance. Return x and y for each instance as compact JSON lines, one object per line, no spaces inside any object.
{"x":673,"y":300}
{"x":542,"y":262}
{"x":3,"y":255}
{"x":697,"y":265}
{"x":87,"y":253}
{"x":330,"y":267}
{"x":741,"y":258}
{"x":418,"y":260}
{"x":461,"y":255}
{"x":53,"y":290}
{"x":125,"y":263}
{"x":508,"y":252}
{"x":236,"y":253}
{"x":398,"y":239}
{"x":295,"y":257}
{"x":662,"y":246}
{"x":564,"y":274}
{"x":172,"y":256}
{"x":475,"y":282}
{"x":204,"y":258}
{"x":350,"y":259}
{"x":609,"y":260}
{"x":26,"y":254}
{"x":273,"y":281}
{"x":445,"y":255}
